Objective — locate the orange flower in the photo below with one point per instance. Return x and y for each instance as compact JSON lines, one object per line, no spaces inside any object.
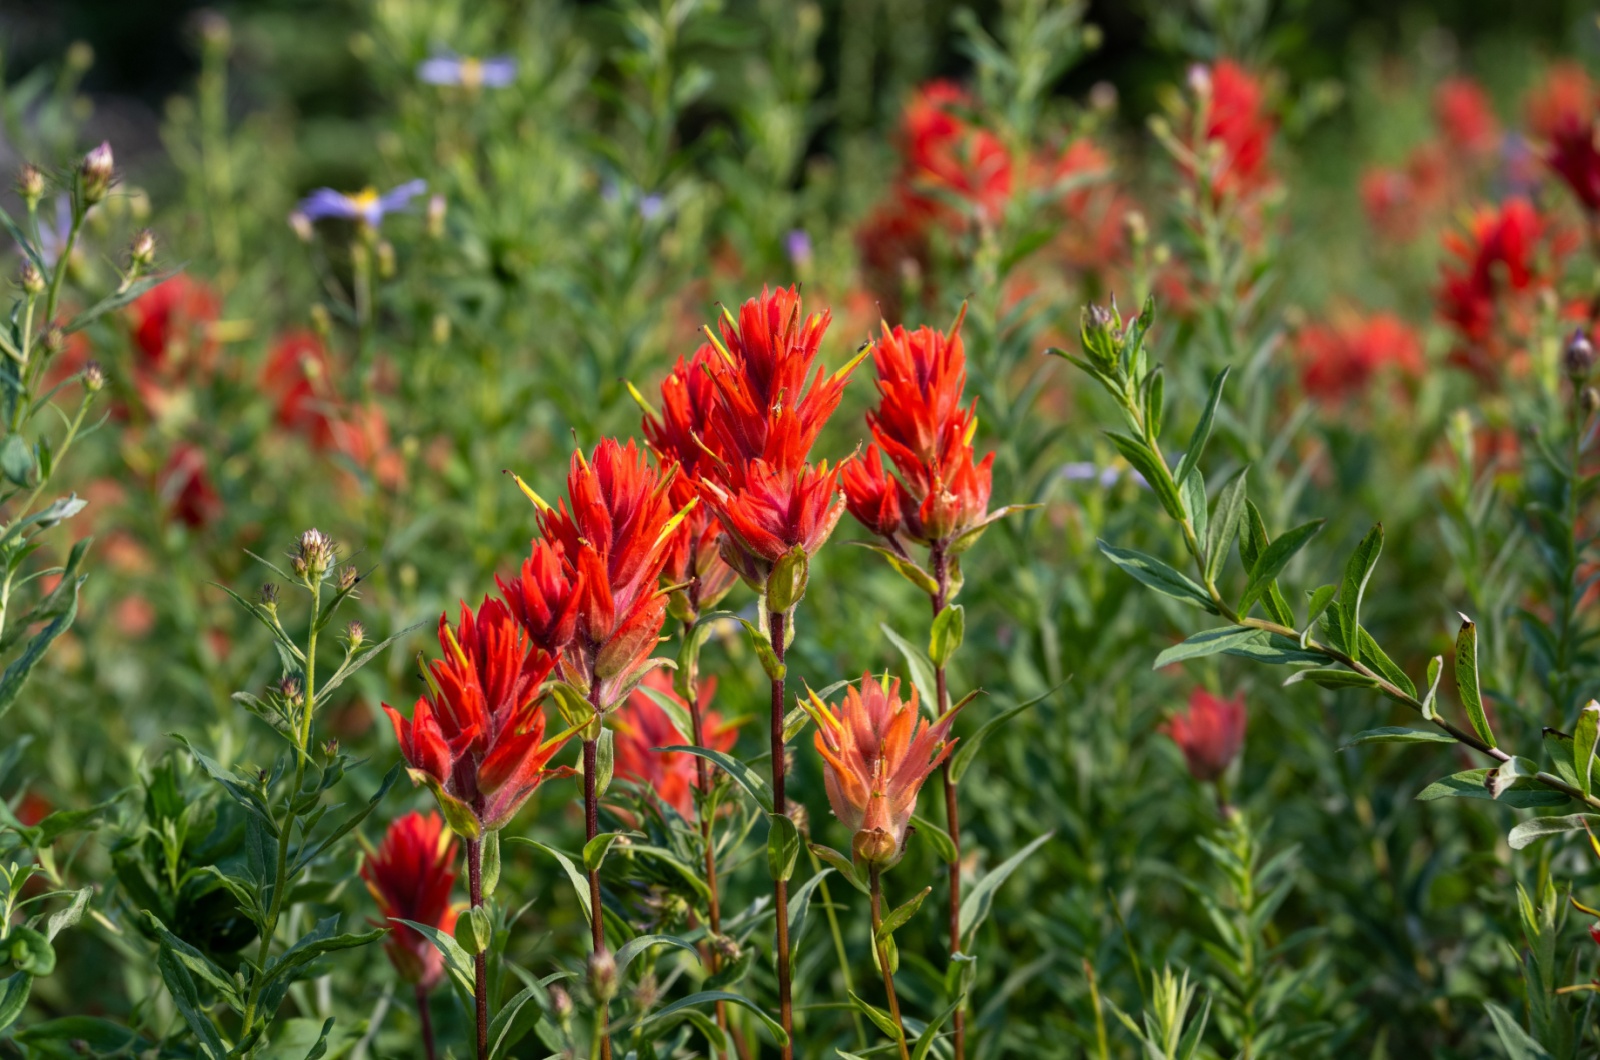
{"x":642,"y":726}
{"x":410,"y":877}
{"x":876,"y":752}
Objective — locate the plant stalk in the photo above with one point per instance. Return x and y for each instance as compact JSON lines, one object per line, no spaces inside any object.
{"x":591,"y":828}
{"x":952,"y":811}
{"x":776,"y":622}
{"x":480,"y":960}
{"x":425,"y":1018}
{"x":702,"y":776}
{"x":883,"y":961}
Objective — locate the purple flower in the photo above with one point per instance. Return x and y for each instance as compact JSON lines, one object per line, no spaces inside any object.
{"x":446,"y":69}
{"x":366,"y":206}
{"x":798,"y":244}
{"x":650,"y":207}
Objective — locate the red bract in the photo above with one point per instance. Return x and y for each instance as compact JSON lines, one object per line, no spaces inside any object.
{"x":477,"y":740}
{"x":1465,"y":117}
{"x":184,"y":490}
{"x":877,"y":751}
{"x":1238,"y":129}
{"x":1339,"y":360}
{"x":762,"y":426}
{"x":642,"y":726}
{"x":1493,"y":268}
{"x":676,"y":435}
{"x":544,"y":597}
{"x":949,"y":158}
{"x":1562,"y":113}
{"x":871,"y":494}
{"x":613,"y":544}
{"x":410,"y":876}
{"x":1209,"y":733}
{"x":922,"y":426}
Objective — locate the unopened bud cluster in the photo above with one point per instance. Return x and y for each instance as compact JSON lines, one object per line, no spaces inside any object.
{"x":313,"y":556}
{"x":96,"y":172}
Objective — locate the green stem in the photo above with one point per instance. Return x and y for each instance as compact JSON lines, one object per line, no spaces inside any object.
{"x":280,"y":879}
{"x":883,"y":961}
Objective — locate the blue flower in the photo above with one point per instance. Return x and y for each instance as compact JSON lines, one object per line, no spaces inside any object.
{"x":497,"y":72}
{"x":798,"y":245}
{"x":367,"y":206}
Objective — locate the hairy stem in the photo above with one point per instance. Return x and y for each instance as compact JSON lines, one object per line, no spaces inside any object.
{"x":883,"y":962}
{"x":597,"y":923}
{"x":952,"y":812}
{"x":702,"y":777}
{"x":480,"y":960}
{"x":776,"y":621}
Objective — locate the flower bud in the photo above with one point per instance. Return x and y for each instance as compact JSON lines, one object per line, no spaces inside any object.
{"x":268,"y":597}
{"x":321,"y":320}
{"x":602,"y":975}
{"x":355,"y":634}
{"x":30,"y":279}
{"x":290,"y":690}
{"x":142,"y":251}
{"x":330,"y":749}
{"x":441,"y":328}
{"x":386,"y":266}
{"x":302,"y":226}
{"x":1099,"y":335}
{"x":1578,"y":356}
{"x":30,"y":184}
{"x":560,"y":1004}
{"x":314,"y":554}
{"x":727,"y":948}
{"x":437,"y":207}
{"x":1199,"y":80}
{"x":875,"y":846}
{"x":1589,"y":400}
{"x":215,"y":33}
{"x":801,"y":818}
{"x":96,"y":172}
{"x":54,"y":340}
{"x":646,"y":992}
{"x":94,"y":377}
{"x":348,"y":576}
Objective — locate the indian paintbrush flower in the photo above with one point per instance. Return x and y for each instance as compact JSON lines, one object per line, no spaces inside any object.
{"x":1209,"y":733}
{"x":1562,"y":113}
{"x":410,"y":875}
{"x":642,"y":725}
{"x":476,"y":738}
{"x":877,"y":750}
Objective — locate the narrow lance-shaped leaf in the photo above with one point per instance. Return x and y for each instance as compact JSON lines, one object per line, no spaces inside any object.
{"x":1202,"y":430}
{"x":1225,"y":523}
{"x":1583,"y":741}
{"x":1270,"y":563}
{"x":1467,"y":680}
{"x":1357,"y":572}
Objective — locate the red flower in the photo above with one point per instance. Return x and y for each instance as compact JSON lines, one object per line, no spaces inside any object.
{"x":544,"y":597}
{"x":946,"y":156}
{"x":876,"y":752}
{"x":297,"y":376}
{"x":676,"y":436}
{"x":1489,"y":276}
{"x":1239,"y":129}
{"x":1562,"y":113}
{"x":613,"y":545}
{"x":642,"y":726}
{"x":1209,"y":733}
{"x":762,"y":426}
{"x":1465,"y":117}
{"x":871,"y":494}
{"x":477,"y":740}
{"x":921,"y":425}
{"x":184,"y":490}
{"x":410,"y":876}
{"x":1094,"y":208}
{"x":1397,"y":201}
{"x":1340,"y":360}
{"x":172,"y":337}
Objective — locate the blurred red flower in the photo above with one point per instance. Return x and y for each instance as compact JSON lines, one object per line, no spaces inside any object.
{"x":1209,"y":733}
{"x":184,"y":490}
{"x":1465,"y":117}
{"x":1237,"y":133}
{"x":1340,"y":359}
{"x":410,"y":876}
{"x":948,"y":157}
{"x":1562,"y":113}
{"x":642,"y":725}
{"x":172,"y":339}
{"x":476,"y":738}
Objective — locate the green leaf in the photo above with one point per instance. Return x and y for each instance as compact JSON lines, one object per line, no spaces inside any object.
{"x":595,"y":850}
{"x":1357,"y":572}
{"x":742,"y":774}
{"x":930,"y":1033}
{"x":905,"y":568}
{"x":361,"y":658}
{"x":67,"y":917}
{"x":1158,"y":576}
{"x":949,"y":629}
{"x":515,"y":1018}
{"x":1252,"y":545}
{"x":1467,"y":681}
{"x":943,"y":846}
{"x":1376,"y":658}
{"x":1583,"y":741}
{"x":799,"y":904}
{"x":1331,"y":677}
{"x":787,"y":582}
{"x":1202,"y":430}
{"x":186,"y":997}
{"x":967,"y":748}
{"x":762,"y":644}
{"x":102,"y":1037}
{"x":841,"y":864}
{"x":880,"y":1019}
{"x":320,"y":941}
{"x":191,"y":959}
{"x":16,"y":460}
{"x":605,"y":757}
{"x":1270,"y":563}
{"x":1225,"y":523}
{"x":898,"y":917}
{"x":977,"y":902}
{"x":1399,"y":734}
{"x":490,"y":873}
{"x":918,"y":666}
{"x":637,"y":945}
{"x":1531,"y":831}
{"x":673,"y":709}
{"x":117,"y":300}
{"x":28,"y":951}
{"x":711,"y":997}
{"x":1518,"y":1044}
{"x":580,"y":882}
{"x":457,"y":961}
{"x":17,"y":674}
{"x":783,"y":846}
{"x":13,"y":997}
{"x":1154,"y":472}
{"x":1470,"y":784}
{"x":1435,"y":670}
{"x":309,"y":852}
{"x":1192,"y":489}
{"x":1209,"y":642}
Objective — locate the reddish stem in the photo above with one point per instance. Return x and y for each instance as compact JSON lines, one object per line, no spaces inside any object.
{"x":780,"y":804}
{"x":591,"y":828}
{"x":425,"y":1017}
{"x":480,"y":960}
{"x":952,"y":813}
